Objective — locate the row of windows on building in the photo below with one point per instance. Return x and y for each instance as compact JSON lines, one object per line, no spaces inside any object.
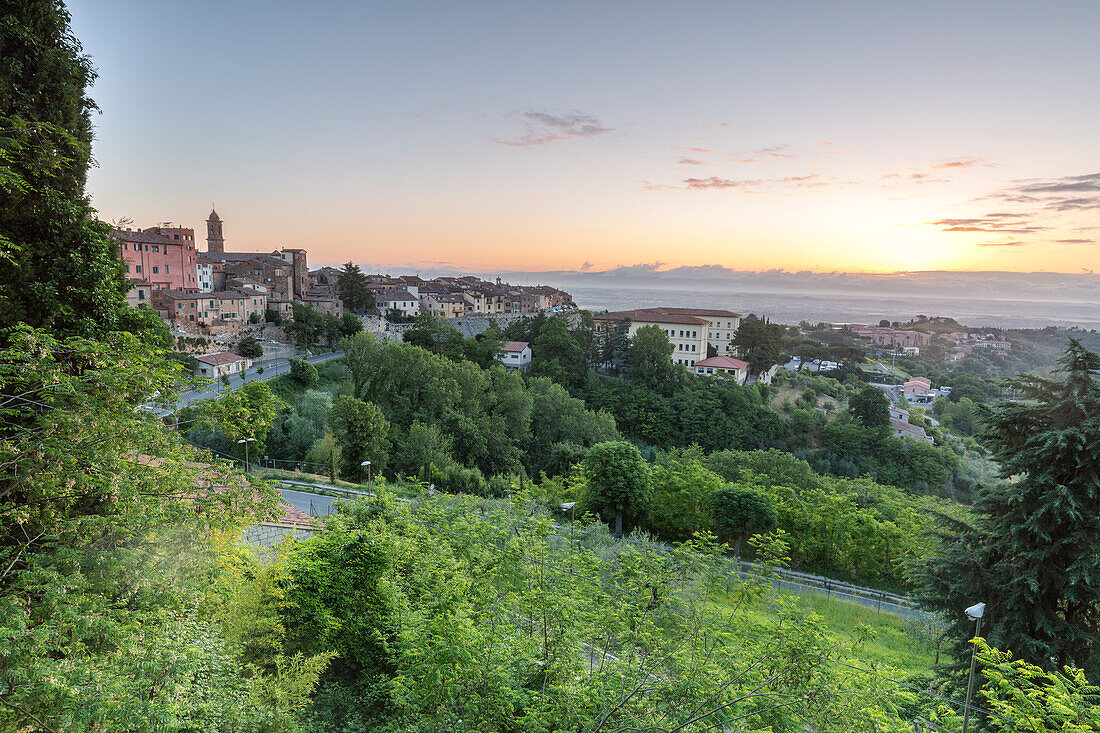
{"x":689,"y":362}
{"x":155,"y":248}
{"x":684,"y":347}
{"x":683,"y":334}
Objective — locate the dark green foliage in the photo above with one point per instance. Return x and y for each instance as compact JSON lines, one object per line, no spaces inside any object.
{"x":1031,"y":553}
{"x":354,"y":289}
{"x":557,"y":355}
{"x":307,"y":327}
{"x":435,"y":334}
{"x":741,"y":513}
{"x":618,"y":481}
{"x":871,"y":407}
{"x":350,"y":324}
{"x":648,"y":358}
{"x":758,"y":342}
{"x":272,"y":316}
{"x":303,"y":373}
{"x":362,"y":433}
{"x":59,"y":268}
{"x":904,"y":462}
{"x":250,"y":347}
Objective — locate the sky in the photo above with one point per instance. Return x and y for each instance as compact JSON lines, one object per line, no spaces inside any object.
{"x":821,"y":136}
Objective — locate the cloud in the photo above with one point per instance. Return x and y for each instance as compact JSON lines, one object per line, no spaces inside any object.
{"x":1000,"y":244}
{"x":1075,"y":241}
{"x":1074,"y":204}
{"x":587,"y":266}
{"x":714,"y":182}
{"x":1068,"y":184}
{"x":1000,"y":222}
{"x":541,"y":128}
{"x":690,"y":161}
{"x":755,"y":156}
{"x":1055,"y":194}
{"x":960,"y":163}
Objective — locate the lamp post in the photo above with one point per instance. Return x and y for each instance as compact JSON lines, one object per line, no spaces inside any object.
{"x":246,"y":441}
{"x":366,"y":464}
{"x":975,"y":613}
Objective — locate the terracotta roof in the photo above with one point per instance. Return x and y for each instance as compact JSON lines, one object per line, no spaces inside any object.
{"x":397,"y":295}
{"x":648,"y":315}
{"x":713,"y":313}
{"x":219,"y":358}
{"x":513,"y":346}
{"x":293,"y":515}
{"x":722,"y":362}
{"x":144,"y":237}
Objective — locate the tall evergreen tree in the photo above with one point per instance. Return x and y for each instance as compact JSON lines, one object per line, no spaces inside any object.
{"x":59,"y":268}
{"x":1033,"y":552}
{"x":354,"y":289}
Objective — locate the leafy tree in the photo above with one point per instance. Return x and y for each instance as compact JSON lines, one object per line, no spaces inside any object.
{"x":303,"y":372}
{"x":871,"y":407}
{"x":250,"y":347}
{"x":306,"y":328}
{"x":648,"y":357}
{"x":354,"y":289}
{"x":485,"y":349}
{"x":618,"y":481}
{"x":740,"y":513}
{"x":59,"y":267}
{"x":243,"y":413}
{"x":759,"y":342}
{"x":435,"y":334}
{"x":1030,"y":552}
{"x":425,"y":446}
{"x":272,"y":316}
{"x":680,"y":496}
{"x":350,"y":324}
{"x":362,"y":432}
{"x":557,"y":355}
{"x":361,"y":355}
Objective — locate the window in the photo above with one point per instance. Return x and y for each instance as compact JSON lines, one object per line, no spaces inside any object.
{"x":141,"y":294}
{"x":137,"y":269}
{"x":156,"y":248}
{"x":127,"y":268}
{"x":124,"y":246}
{"x":166,"y":269}
{"x":156,"y":269}
{"x":693,"y":347}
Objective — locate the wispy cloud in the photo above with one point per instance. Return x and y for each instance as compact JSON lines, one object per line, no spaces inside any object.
{"x":1065,"y":194}
{"x":755,"y":156}
{"x":541,"y":128}
{"x":691,"y":161}
{"x":958,"y":163}
{"x":998,"y":223}
{"x":1001,"y":244}
{"x":1075,"y":241}
{"x":714,"y":182}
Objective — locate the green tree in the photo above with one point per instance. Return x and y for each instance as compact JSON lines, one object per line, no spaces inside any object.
{"x":871,"y":407}
{"x":250,"y":347}
{"x":362,"y":432}
{"x":435,"y":334}
{"x":59,"y":267}
{"x":618,"y":481}
{"x":362,"y":357}
{"x":485,"y":349}
{"x":557,"y":355}
{"x":306,"y":328}
{"x":1030,"y":552}
{"x":304,"y":373}
{"x":759,"y":342}
{"x":354,"y":289}
{"x":648,"y":357}
{"x":350,"y":324}
{"x":243,"y":413}
{"x":740,"y":513}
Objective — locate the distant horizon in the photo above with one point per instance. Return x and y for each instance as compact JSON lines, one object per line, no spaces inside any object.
{"x":848,"y":137}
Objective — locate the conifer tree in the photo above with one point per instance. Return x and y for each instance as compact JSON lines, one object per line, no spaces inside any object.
{"x":1033,"y":553}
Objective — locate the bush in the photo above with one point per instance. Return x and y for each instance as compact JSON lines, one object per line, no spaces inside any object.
{"x":303,"y":373}
{"x":250,"y":347}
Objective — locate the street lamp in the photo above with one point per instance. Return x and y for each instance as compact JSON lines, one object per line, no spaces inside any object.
{"x":975,"y":613}
{"x":246,"y":441}
{"x":366,"y":464}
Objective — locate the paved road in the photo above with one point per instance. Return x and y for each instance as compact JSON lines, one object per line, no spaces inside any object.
{"x":315,"y":505}
{"x":271,"y":368}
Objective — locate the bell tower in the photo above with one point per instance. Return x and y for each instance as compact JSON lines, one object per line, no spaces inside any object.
{"x":214,"y":240}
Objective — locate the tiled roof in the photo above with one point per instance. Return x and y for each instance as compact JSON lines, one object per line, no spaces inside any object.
{"x":397,"y":295}
{"x":219,"y":358}
{"x":648,"y":315}
{"x":513,"y":346}
{"x":262,"y":257}
{"x":722,"y":362}
{"x":705,"y":312}
{"x":293,"y":515}
{"x":143,"y":237}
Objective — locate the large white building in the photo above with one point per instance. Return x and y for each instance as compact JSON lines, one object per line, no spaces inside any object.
{"x":687,"y":333}
{"x":402,"y":301}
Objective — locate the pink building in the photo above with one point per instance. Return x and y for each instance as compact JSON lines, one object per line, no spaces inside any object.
{"x":164,"y":257}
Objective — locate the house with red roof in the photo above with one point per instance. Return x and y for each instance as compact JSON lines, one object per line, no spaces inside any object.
{"x":715,"y":365}
{"x":222,"y":362}
{"x":515,"y":355}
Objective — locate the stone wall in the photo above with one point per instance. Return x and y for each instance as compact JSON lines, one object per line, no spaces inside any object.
{"x":267,"y":536}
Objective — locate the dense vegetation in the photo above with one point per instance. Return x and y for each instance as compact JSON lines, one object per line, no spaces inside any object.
{"x":127,"y":601}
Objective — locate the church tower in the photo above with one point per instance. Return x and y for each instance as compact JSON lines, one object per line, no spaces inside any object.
{"x":214,"y":240}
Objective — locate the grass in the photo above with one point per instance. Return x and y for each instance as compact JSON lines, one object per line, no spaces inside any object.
{"x":873,"y":637}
